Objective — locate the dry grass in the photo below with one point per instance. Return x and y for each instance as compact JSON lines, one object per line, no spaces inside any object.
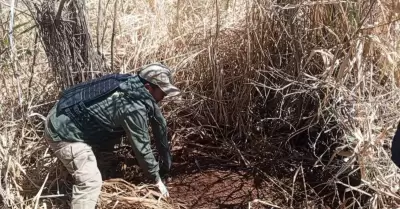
{"x":312,"y":86}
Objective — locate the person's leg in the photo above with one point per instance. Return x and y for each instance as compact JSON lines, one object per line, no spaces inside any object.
{"x":81,"y":163}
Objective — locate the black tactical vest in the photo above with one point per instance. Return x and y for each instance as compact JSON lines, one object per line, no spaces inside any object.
{"x":75,"y":100}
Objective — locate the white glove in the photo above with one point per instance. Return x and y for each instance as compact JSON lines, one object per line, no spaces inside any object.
{"x":162,"y":188}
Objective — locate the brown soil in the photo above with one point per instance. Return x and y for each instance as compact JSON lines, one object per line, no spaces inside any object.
{"x":215,"y":189}
{"x":195,"y":181}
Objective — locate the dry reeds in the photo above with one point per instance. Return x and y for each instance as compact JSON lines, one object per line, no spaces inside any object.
{"x":303,"y":93}
{"x":121,"y":194}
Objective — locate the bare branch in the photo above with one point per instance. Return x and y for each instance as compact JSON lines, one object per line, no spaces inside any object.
{"x":113,"y":35}
{"x":60,"y":8}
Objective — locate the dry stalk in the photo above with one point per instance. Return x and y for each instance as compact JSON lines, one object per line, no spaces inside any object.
{"x":303,"y":88}
{"x":12,"y":49}
{"x":99,"y":20}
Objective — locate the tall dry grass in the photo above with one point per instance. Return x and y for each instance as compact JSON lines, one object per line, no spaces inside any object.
{"x":303,"y":93}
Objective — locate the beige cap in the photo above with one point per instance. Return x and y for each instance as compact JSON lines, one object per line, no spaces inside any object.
{"x":160,"y":75}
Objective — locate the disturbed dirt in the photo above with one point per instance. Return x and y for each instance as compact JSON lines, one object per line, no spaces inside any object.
{"x":215,"y":189}
{"x":195,"y":181}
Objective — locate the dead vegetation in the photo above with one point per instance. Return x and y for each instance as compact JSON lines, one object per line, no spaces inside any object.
{"x":302,"y":94}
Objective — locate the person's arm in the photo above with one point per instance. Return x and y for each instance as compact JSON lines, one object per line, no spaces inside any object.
{"x":136,"y":128}
{"x":159,"y":129}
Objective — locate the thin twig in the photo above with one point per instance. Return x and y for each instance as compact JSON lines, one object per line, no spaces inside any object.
{"x":105,"y":24}
{"x":12,"y":49}
{"x":35,"y":52}
{"x":10,"y":29}
{"x":60,"y":8}
{"x":37,"y":197}
{"x":99,"y":20}
{"x":293,"y":185}
{"x":53,"y":196}
{"x":304,"y":182}
{"x":265,"y":203}
{"x":113,"y":35}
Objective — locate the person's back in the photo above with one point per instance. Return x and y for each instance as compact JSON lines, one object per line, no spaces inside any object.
{"x":105,"y":109}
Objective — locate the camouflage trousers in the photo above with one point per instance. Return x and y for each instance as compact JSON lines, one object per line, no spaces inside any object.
{"x":81,"y":163}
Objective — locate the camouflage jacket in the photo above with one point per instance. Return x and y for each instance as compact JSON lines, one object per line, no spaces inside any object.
{"x":126,"y":111}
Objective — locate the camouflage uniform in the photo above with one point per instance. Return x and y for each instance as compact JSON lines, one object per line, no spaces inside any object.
{"x":125,"y":111}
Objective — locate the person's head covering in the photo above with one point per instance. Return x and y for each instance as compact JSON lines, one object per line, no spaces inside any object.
{"x":161,"y":76}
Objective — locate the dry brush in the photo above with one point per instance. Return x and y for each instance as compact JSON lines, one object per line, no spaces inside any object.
{"x":303,"y":93}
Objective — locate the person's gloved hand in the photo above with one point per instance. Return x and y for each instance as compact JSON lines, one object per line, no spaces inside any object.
{"x":163,"y":189}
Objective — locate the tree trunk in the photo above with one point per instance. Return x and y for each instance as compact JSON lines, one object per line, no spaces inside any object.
{"x":66,"y":40}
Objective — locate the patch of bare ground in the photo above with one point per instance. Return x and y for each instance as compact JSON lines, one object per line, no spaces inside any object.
{"x":195,"y":181}
{"x":216,"y":189}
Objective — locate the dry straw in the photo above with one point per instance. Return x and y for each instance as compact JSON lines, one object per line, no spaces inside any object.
{"x":309,"y":89}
